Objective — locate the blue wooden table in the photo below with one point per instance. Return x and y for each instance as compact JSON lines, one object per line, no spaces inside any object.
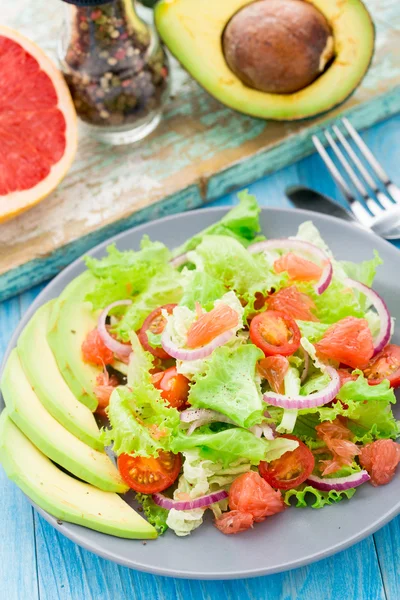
{"x":36,"y":562}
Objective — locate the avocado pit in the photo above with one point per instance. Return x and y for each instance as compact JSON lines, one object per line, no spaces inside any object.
{"x":278,"y":46}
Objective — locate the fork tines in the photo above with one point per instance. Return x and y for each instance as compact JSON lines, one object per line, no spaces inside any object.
{"x":363,"y":180}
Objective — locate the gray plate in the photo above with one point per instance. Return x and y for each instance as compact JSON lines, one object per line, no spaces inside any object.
{"x":290,"y":539}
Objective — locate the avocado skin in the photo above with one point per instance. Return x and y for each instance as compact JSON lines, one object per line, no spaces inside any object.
{"x":174,"y":22}
{"x":43,"y":374}
{"x":62,"y":496}
{"x":27,"y":412}
{"x":70,"y":321}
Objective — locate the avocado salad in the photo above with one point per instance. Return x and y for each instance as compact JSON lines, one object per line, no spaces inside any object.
{"x":236,"y":373}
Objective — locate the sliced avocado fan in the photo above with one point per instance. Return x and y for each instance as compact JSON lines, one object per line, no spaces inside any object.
{"x":63,"y":496}
{"x":70,"y":321}
{"x":56,"y":442}
{"x":49,"y":385}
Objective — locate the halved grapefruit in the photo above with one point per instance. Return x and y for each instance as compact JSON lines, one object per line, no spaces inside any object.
{"x":38,"y":130}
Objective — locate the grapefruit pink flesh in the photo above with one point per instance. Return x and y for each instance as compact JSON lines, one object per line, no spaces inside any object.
{"x":37,"y":124}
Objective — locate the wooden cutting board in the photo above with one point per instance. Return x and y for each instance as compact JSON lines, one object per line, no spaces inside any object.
{"x":200,"y":151}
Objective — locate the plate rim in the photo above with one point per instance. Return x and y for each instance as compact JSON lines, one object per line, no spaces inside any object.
{"x":75,"y":536}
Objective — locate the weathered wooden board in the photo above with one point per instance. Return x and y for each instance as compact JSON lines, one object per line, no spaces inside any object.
{"x":200,"y":151}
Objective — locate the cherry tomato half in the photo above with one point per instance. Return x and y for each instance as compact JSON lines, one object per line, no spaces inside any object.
{"x":149,"y":475}
{"x":291,"y":469}
{"x":155,"y":323}
{"x":385,"y":365}
{"x":275,"y":333}
{"x":174,"y":387}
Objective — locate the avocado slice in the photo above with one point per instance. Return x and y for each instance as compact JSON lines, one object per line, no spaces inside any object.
{"x":193,"y":32}
{"x":70,"y":321}
{"x":63,"y":496}
{"x":56,"y":442}
{"x":49,"y":385}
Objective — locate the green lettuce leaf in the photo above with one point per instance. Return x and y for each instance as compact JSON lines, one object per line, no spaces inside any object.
{"x":229,"y":385}
{"x":316,"y":382}
{"x":369,"y":409}
{"x":230,"y":444}
{"x":365,"y":271}
{"x":311,"y":330}
{"x":156,"y":515}
{"x":308,"y":232}
{"x":163,"y":288}
{"x":241,"y":223}
{"x":366,"y":407}
{"x":199,"y":286}
{"x":305,"y":427}
{"x":228,"y":261}
{"x":134,"y":411}
{"x":337,"y":302}
{"x":310,"y":496}
{"x":199,"y":478}
{"x":154,"y":339}
{"x":122,"y":275}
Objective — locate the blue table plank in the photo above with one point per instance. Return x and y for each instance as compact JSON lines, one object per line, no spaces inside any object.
{"x":64,"y":571}
{"x":387,"y":542}
{"x":18,"y":565}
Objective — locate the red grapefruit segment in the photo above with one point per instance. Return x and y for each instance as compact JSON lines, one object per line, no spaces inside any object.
{"x":38,"y":129}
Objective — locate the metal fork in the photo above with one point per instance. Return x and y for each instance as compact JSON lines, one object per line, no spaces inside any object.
{"x":378,"y":211}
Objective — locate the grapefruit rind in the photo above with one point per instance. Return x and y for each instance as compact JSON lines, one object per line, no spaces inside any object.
{"x":16,"y":202}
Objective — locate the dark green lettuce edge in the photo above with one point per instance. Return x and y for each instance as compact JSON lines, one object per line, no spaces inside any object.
{"x":310,"y":496}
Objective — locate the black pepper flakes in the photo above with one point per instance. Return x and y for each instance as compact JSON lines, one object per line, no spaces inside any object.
{"x":116,"y":74}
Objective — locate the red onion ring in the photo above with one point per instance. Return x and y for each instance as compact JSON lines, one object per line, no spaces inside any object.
{"x":202,"y":416}
{"x":201,"y":502}
{"x":178,"y":260}
{"x":194,"y":414}
{"x":121,"y":350}
{"x":195,"y":353}
{"x":268,"y":432}
{"x":339,"y":483}
{"x":312,"y":400}
{"x":264,"y":429}
{"x":256,"y":430}
{"x":289,"y":244}
{"x":381,"y":308}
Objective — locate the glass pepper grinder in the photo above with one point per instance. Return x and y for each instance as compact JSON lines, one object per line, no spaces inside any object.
{"x":115,"y":68}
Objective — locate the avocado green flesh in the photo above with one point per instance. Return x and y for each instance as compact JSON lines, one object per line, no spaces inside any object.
{"x":56,"y":442}
{"x":71,"y":320}
{"x":63,"y":496}
{"x":192,"y":30}
{"x":49,"y":385}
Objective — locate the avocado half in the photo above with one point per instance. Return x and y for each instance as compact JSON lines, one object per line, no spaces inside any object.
{"x":194,"y":33}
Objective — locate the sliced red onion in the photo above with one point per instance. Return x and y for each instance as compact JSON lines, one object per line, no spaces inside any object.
{"x":339,"y":483}
{"x":306,"y":365}
{"x":178,"y":260}
{"x":256,"y":430}
{"x":268,"y":431}
{"x":382,"y":338}
{"x":195,"y":353}
{"x":122,"y":351}
{"x":201,"y":502}
{"x":300,"y":245}
{"x":312,"y":400}
{"x":194,"y":414}
{"x":202,"y":416}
